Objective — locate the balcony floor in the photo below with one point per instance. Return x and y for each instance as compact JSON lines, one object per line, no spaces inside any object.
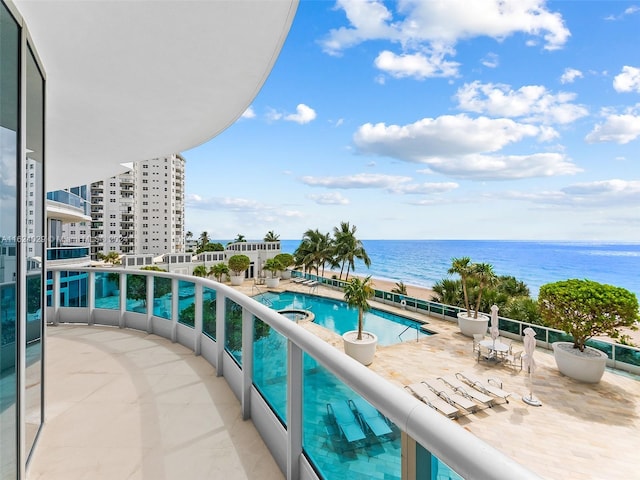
{"x":122,"y":404}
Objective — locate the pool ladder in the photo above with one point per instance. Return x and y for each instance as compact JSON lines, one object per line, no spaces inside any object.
{"x":417,"y":329}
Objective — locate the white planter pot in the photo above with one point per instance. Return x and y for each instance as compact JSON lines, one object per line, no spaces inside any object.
{"x":470,"y":326}
{"x":361,"y":350}
{"x":587,"y":366}
{"x":236,"y":280}
{"x":285,"y":274}
{"x":272,"y":282}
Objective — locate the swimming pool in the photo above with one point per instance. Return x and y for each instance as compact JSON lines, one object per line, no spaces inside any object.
{"x":337,"y":316}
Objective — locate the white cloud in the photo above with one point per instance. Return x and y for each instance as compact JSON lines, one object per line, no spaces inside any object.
{"x":628,"y":11}
{"x":628,"y":80}
{"x":618,"y":128}
{"x":330,"y":198}
{"x":445,"y":136}
{"x":391,"y":183}
{"x":416,"y":65}
{"x":503,"y":167}
{"x":532,"y":103}
{"x":590,"y":194}
{"x":249,"y":113}
{"x":491,"y":60}
{"x":570,"y":75}
{"x":445,"y":23}
{"x":304,"y":114}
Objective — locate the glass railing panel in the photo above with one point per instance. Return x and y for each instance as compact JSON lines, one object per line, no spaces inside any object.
{"x":233,"y":329}
{"x":627,"y":355}
{"x":162,"y":297}
{"x":270,"y":367}
{"x":107,"y":290}
{"x":336,"y":439}
{"x":553,"y":336}
{"x":136,"y":293}
{"x":605,"y":347}
{"x":186,"y":303}
{"x":209,"y":312}
{"x":430,"y":467}
{"x":509,"y":326}
{"x":49,"y":292}
{"x":73,"y":289}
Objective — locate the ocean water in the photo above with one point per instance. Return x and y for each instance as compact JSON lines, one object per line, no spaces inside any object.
{"x":424,"y":262}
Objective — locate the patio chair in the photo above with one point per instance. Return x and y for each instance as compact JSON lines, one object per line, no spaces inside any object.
{"x":477,"y":338}
{"x":424,"y":393}
{"x":514,"y":359}
{"x":467,"y":391}
{"x":484,"y":353}
{"x":340,"y":413}
{"x":451,"y":395}
{"x":370,"y":417}
{"x":492,"y":386}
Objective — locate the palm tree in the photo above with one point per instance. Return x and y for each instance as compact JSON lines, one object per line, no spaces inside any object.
{"x":271,"y":236}
{"x":357,"y":294}
{"x":218,"y":270}
{"x":463,"y":267}
{"x":200,"y":271}
{"x":347,"y":248}
{"x":203,"y":241}
{"x":447,"y":291}
{"x":315,"y":250}
{"x":484,"y":274}
{"x":239,"y":238}
{"x":188,"y":237}
{"x":400,"y":288}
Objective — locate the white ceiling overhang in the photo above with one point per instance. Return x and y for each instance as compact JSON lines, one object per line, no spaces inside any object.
{"x":131,"y":80}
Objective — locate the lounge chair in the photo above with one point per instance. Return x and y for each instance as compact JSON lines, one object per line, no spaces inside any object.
{"x":342,"y":415}
{"x":298,"y":279}
{"x":424,"y":393}
{"x":467,"y":391}
{"x":492,"y":386}
{"x":451,"y":395}
{"x":370,"y":417}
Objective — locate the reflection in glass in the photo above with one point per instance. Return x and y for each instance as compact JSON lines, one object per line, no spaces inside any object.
{"x":270,"y":367}
{"x":107,"y":290}
{"x":162,"y":297}
{"x":335,"y":440}
{"x":136,"y":293}
{"x":186,"y":303}
{"x":73,"y":289}
{"x":233,"y":329}
{"x":209,"y":312}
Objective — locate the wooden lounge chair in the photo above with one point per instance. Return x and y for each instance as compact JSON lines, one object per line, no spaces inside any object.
{"x":451,"y":395}
{"x":424,"y":393}
{"x":370,"y":417}
{"x":467,"y":391}
{"x":492,"y":386}
{"x":341,"y":414}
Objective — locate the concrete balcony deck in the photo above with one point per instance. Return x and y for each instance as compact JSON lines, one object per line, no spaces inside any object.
{"x":122,"y":404}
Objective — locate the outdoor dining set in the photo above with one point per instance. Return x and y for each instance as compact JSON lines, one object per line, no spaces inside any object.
{"x":496,"y":351}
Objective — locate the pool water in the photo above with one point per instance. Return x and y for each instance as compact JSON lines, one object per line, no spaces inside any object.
{"x":337,"y":316}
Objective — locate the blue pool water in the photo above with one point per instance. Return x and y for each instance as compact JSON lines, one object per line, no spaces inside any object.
{"x":340,"y":318}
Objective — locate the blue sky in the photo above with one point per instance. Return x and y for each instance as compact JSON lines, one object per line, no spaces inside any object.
{"x":436,"y":120}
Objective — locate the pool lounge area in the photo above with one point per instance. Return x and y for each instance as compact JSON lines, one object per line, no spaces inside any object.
{"x":570,"y":410}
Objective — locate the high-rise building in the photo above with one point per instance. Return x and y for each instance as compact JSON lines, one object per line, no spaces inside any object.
{"x":140,"y":211}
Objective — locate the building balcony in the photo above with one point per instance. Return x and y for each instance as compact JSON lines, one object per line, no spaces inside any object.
{"x":273,"y":367}
{"x":68,"y":255}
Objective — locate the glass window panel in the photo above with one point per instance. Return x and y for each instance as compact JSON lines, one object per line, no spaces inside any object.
{"x":233,"y":329}
{"x":186,"y":303}
{"x":136,"y":293}
{"x":270,"y":367}
{"x":73,"y":290}
{"x":107,"y":290}
{"x":209,"y":312}
{"x":162,"y":297}
{"x":9,"y":107}
{"x":335,"y":439}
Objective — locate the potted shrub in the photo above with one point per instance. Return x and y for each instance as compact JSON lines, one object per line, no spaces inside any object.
{"x":583,"y":309}
{"x":470,"y":321}
{"x":238,"y":264}
{"x":359,"y":344}
{"x":273,"y":266}
{"x":286,"y":260}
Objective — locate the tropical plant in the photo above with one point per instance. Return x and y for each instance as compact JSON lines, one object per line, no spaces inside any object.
{"x":400,"y":288}
{"x":314,"y":251}
{"x":200,"y":271}
{"x":447,"y":291}
{"x":202,"y":241}
{"x":238,"y":264}
{"x":111,"y":257}
{"x":270,"y":236}
{"x":357,"y":294}
{"x":153,"y":268}
{"x":137,"y":288}
{"x":239,"y":239}
{"x":272,"y":265}
{"x":285,"y":260}
{"x":484,"y":274}
{"x":347,"y":248}
{"x":188,"y":237}
{"x":463,"y":267}
{"x":218,"y":270}
{"x":584,"y":309}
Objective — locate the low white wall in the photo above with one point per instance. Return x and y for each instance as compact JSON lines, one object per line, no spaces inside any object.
{"x":271,"y":430}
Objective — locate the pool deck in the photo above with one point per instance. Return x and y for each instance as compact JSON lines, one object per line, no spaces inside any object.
{"x":580,"y":431}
